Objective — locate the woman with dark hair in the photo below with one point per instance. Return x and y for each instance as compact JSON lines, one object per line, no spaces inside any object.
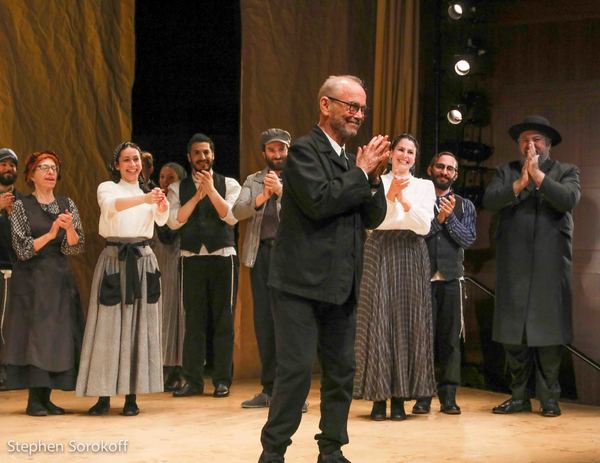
{"x":394,"y":342}
{"x":166,"y":248}
{"x":122,"y":343}
{"x":43,"y":324}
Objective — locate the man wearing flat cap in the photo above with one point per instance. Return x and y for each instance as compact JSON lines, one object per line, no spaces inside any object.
{"x":534,"y":198}
{"x":260,"y":201}
{"x":8,"y":194}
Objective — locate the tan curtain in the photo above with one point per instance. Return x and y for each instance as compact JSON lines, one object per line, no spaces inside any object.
{"x":289,"y":47}
{"x":65,"y":85}
{"x":396,"y":84}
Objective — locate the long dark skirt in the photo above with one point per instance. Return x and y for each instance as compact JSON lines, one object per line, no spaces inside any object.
{"x":394,"y":331}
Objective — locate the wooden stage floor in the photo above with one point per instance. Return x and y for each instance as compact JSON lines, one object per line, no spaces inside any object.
{"x":205,"y":429}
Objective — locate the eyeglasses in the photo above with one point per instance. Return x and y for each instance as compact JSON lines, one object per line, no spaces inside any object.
{"x":442,"y":167}
{"x":352,"y":107}
{"x":47,"y":167}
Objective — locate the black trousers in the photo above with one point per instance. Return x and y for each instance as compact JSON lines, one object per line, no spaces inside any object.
{"x":446,"y":303}
{"x":209,"y":286}
{"x":263,"y":317}
{"x":303,"y":328}
{"x":542,"y":362}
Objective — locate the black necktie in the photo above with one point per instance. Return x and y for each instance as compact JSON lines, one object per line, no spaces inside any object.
{"x":344,"y":158}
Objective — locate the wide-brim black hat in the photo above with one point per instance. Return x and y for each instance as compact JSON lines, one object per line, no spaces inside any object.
{"x":537,"y":123}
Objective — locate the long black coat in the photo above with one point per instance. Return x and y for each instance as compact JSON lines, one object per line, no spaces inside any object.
{"x":324,"y":211}
{"x":533,"y":254}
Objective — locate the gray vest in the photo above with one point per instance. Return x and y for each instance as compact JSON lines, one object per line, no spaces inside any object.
{"x":444,"y":254}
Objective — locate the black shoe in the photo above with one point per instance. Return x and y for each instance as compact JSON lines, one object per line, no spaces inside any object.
{"x":513,"y":406}
{"x":397,"y":413}
{"x":188,"y":390}
{"x":270,"y":457}
{"x":101,"y":407}
{"x":378,"y":410}
{"x":422,"y":406}
{"x":449,"y":407}
{"x":173,"y":380}
{"x":550,"y":408}
{"x":52,"y":408}
{"x":130,"y":408}
{"x":261,"y":400}
{"x":335,"y":457}
{"x":35,"y":407}
{"x":221,"y":390}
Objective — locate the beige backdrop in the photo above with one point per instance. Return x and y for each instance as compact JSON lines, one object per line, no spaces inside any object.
{"x":65,"y":85}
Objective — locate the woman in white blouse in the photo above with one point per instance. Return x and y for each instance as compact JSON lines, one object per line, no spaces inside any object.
{"x":122,"y":342}
{"x":394,"y":343}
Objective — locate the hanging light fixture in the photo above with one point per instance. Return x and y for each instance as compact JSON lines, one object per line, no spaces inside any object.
{"x":456,"y":114}
{"x":471,"y":60}
{"x":455,"y":10}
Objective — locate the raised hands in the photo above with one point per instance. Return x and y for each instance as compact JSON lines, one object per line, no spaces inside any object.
{"x":395,"y":193}
{"x":272,"y":185}
{"x":373,"y":157}
{"x":157,"y":196}
{"x":6,"y":201}
{"x":446,"y":208}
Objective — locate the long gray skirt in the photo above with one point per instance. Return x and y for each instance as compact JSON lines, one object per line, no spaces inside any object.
{"x":394,"y":330}
{"x":173,"y":318}
{"x":122,"y":351}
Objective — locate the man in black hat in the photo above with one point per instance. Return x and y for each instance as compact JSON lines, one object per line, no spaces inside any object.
{"x":8,"y":194}
{"x":534,"y":198}
{"x":260,"y":201}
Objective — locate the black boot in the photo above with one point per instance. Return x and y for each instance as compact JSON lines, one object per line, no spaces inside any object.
{"x":35,"y":407}
{"x":130,"y":408}
{"x":378,"y":411}
{"x":101,"y":407}
{"x":172,"y":378}
{"x":448,"y":401}
{"x":45,"y":399}
{"x":397,"y":413}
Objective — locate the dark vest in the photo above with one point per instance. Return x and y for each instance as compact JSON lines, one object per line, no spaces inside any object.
{"x":204,"y":226}
{"x":444,"y":254}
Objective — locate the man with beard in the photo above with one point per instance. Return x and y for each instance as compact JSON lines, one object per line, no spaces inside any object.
{"x":452,"y":231}
{"x":534,"y":198}
{"x":260,"y":200}
{"x":201,"y":209}
{"x":329,"y":198}
{"x":8,"y":194}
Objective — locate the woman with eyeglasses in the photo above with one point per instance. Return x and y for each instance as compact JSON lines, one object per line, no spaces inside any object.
{"x":122,"y":343}
{"x":394,"y":341}
{"x":43,"y":326}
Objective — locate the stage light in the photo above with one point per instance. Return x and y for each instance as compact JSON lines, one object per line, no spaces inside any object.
{"x":462,"y":67}
{"x":472,"y":109}
{"x":455,"y":11}
{"x":471,"y":60}
{"x":456,"y":114}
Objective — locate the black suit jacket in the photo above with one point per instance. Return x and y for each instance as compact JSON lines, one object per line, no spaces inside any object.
{"x":325,"y":209}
